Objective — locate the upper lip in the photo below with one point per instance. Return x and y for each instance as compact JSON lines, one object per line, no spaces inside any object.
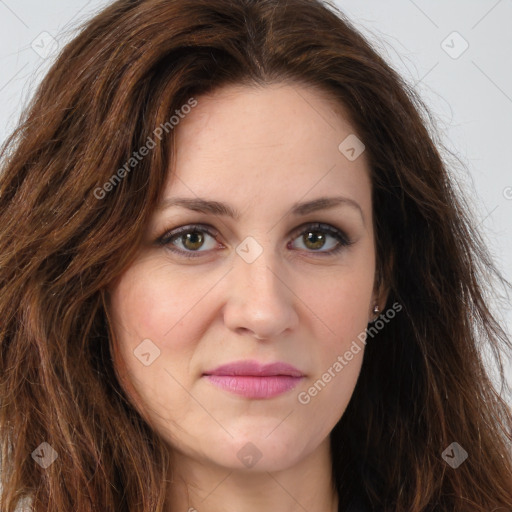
{"x":254,"y":368}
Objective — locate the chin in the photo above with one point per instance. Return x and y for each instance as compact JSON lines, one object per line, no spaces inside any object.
{"x":260,"y":453}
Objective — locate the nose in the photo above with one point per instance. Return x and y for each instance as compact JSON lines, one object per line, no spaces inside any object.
{"x":259,"y":300}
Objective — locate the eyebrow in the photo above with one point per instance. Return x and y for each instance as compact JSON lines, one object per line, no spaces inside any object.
{"x":223,"y":209}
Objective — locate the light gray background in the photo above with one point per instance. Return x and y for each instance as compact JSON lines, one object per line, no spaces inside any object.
{"x":470,"y":92}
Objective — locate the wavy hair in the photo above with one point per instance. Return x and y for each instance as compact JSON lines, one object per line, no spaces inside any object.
{"x":67,"y":231}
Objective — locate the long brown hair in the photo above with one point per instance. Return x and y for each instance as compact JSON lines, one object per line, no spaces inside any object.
{"x":71,"y":222}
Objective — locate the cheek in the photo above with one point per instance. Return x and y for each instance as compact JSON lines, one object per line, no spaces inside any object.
{"x":341,"y":305}
{"x":343,"y":312}
{"x":341,"y":301}
{"x":145,"y":306}
{"x":151,"y":301}
{"x":146,"y":303}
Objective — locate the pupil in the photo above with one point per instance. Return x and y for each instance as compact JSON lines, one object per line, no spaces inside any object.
{"x":190,"y":238}
{"x":319,"y":238}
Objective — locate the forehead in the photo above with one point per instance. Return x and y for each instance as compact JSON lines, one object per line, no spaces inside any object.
{"x":266,"y":145}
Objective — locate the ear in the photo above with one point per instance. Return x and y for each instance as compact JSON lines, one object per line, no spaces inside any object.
{"x":382,"y":284}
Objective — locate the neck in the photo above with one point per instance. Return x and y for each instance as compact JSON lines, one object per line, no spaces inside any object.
{"x":203,"y":486}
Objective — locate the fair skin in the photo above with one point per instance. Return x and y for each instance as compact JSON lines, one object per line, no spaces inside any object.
{"x":259,"y":150}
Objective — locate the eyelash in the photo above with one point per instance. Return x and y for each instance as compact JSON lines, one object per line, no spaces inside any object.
{"x":168,"y":236}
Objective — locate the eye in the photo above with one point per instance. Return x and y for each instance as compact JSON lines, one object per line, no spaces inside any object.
{"x":315,"y":235}
{"x":192,"y":238}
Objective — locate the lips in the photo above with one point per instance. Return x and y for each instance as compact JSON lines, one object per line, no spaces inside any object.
{"x":254,"y":380}
{"x":253,"y":368}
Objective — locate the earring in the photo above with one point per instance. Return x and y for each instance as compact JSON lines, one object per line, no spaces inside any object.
{"x":376,"y":312}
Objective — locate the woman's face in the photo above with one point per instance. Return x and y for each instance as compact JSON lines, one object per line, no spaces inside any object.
{"x":264,"y":286}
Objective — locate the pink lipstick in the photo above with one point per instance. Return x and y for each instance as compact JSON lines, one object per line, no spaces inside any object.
{"x":254,"y":380}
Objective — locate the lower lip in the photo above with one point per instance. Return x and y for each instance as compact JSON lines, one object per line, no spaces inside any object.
{"x":253,"y":386}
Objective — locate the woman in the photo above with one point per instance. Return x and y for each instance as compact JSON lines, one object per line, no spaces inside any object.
{"x":180,"y":331}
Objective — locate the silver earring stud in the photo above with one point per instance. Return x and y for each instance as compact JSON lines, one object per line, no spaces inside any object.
{"x":376,"y":312}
